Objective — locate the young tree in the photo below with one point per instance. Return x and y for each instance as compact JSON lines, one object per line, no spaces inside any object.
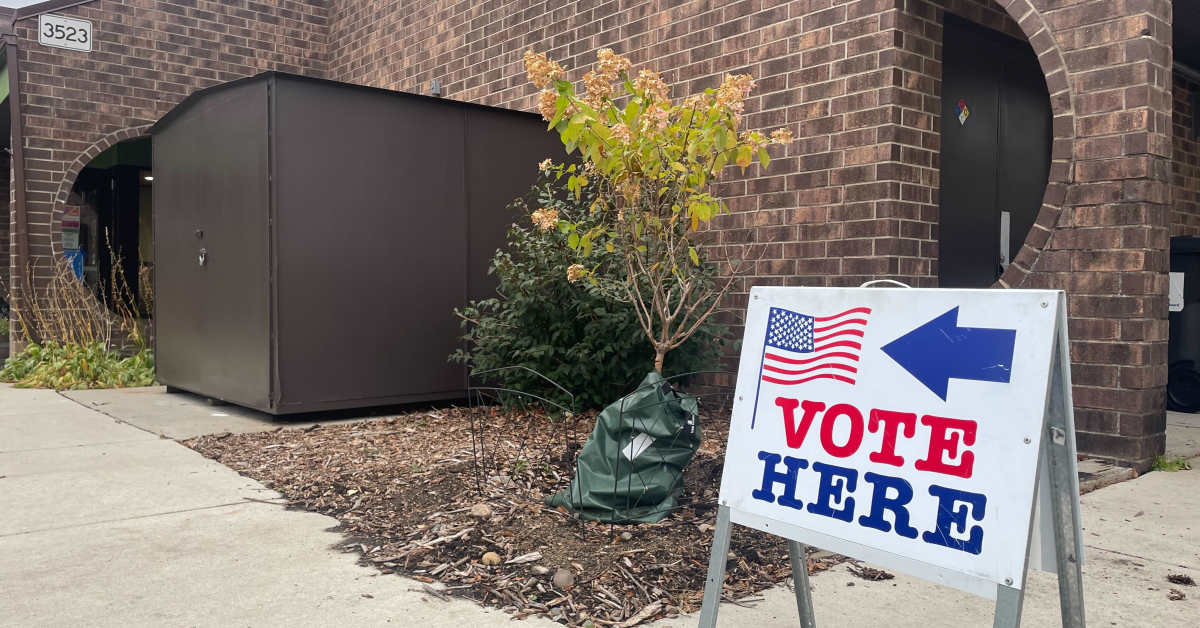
{"x":650,"y":163}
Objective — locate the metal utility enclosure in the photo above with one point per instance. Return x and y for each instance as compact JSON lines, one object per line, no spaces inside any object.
{"x":312,"y":238}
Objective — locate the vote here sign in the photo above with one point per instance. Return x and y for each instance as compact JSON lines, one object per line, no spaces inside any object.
{"x":898,"y":426}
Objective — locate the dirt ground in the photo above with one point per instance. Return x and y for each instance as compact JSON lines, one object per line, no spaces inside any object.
{"x":418,"y":495}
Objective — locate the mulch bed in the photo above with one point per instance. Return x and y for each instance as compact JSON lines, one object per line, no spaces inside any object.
{"x":413,"y":501}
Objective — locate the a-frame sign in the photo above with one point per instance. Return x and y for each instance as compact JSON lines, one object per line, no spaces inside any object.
{"x":926,"y":431}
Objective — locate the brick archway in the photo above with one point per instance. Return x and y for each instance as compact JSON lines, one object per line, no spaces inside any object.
{"x":1054,"y":69}
{"x":72,"y":173}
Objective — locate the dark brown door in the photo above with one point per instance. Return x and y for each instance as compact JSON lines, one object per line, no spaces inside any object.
{"x":211,"y":248}
{"x":995,"y":158}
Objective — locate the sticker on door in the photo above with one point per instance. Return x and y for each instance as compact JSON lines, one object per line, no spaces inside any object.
{"x":963,"y":112}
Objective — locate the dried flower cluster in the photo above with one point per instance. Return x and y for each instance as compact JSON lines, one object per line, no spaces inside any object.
{"x":598,"y":83}
{"x":655,"y":118}
{"x":757,"y":140}
{"x":547,"y":100}
{"x":575,"y":272}
{"x":611,"y":65}
{"x":650,"y":83}
{"x":733,"y":92}
{"x":541,"y":70}
{"x":597,"y":89}
{"x":620,"y":133}
{"x":545,"y":219}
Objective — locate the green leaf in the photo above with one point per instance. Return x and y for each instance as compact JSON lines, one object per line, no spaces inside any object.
{"x":744,"y":156}
{"x":632,"y":111}
{"x":693,"y":255}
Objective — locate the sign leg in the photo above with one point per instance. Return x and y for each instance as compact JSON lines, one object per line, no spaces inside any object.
{"x":716,"y":570}
{"x":1064,"y":489}
{"x":1008,"y":607}
{"x":798,"y":554}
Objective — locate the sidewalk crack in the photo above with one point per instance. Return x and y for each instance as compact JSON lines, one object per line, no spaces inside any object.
{"x":243,"y":502}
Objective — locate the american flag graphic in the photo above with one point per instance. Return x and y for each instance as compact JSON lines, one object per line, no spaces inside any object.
{"x":800,"y":348}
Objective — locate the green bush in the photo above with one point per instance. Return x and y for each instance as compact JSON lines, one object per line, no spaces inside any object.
{"x":73,"y":367}
{"x":573,"y":333}
{"x":3,"y":328}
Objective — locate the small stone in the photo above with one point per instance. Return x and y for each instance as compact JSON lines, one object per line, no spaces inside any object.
{"x":625,"y":536}
{"x":539,"y":570}
{"x":481,"y":511}
{"x":490,"y":558}
{"x":563,"y":578}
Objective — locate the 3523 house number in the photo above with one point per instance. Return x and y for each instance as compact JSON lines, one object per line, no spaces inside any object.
{"x":64,"y":32}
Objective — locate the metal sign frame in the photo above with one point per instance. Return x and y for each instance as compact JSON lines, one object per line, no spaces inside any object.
{"x":1057,"y":489}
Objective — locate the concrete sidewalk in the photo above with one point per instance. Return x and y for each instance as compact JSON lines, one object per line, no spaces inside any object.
{"x":182,"y":415}
{"x":107,"y":523}
{"x":1135,"y":534}
{"x":104,"y":524}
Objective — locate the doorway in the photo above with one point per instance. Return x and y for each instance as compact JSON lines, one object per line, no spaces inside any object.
{"x":107,"y":230}
{"x":995,"y":153}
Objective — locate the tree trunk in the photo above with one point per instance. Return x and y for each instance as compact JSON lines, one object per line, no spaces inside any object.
{"x":659,"y":356}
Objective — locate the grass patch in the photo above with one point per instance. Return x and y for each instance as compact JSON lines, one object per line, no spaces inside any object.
{"x":1162,"y":463}
{"x":76,"y":367}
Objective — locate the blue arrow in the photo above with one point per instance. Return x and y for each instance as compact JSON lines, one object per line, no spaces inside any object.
{"x":940,"y":350}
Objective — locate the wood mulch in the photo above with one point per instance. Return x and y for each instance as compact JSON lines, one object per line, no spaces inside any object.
{"x":412,"y":500}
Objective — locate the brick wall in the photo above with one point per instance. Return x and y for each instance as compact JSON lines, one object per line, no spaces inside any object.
{"x":1185,"y":160}
{"x":857,"y":81}
{"x":855,"y":197}
{"x":1106,"y":214}
{"x":146,"y":57}
{"x":368,"y":47}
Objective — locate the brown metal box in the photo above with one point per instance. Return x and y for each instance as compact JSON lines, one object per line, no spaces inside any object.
{"x":312,"y":238}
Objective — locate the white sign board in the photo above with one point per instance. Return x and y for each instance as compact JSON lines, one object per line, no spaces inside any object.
{"x":897,"y":426}
{"x":64,"y":32}
{"x":1175,"y":293}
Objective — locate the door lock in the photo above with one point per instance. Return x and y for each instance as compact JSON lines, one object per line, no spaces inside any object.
{"x":202,"y":259}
